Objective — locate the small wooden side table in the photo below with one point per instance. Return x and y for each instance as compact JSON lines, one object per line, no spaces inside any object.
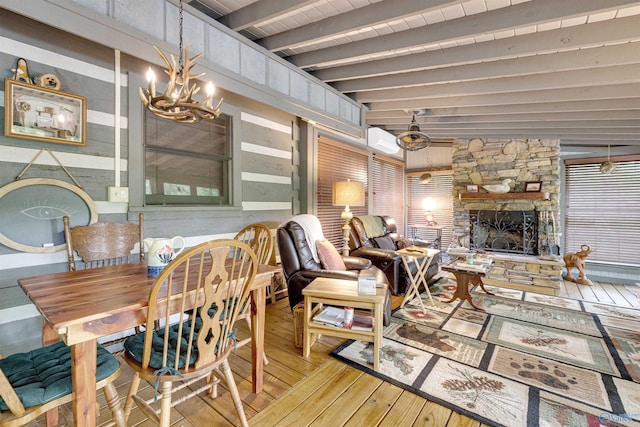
{"x":342,"y":293}
{"x":464,"y":278}
{"x":422,"y":258}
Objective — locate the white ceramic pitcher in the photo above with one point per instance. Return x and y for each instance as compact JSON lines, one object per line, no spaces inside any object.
{"x":161,"y":251}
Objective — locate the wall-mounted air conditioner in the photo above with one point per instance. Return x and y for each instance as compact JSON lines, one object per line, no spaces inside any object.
{"x":380,"y":139}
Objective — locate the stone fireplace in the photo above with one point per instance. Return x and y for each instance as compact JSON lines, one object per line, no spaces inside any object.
{"x":507,"y":224}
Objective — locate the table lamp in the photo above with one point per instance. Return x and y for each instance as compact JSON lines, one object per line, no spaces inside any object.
{"x":428,"y":204}
{"x":347,"y":193}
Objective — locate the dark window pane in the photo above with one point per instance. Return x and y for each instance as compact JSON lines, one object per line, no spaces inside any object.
{"x":187,"y":163}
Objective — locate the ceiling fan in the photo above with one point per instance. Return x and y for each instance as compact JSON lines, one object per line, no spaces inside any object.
{"x":413,"y":139}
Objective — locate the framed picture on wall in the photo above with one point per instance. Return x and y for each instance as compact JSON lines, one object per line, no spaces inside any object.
{"x":532,"y":186}
{"x":34,"y":112}
{"x":472,"y":188}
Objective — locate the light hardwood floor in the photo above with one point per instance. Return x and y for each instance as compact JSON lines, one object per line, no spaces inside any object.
{"x":321,"y":391}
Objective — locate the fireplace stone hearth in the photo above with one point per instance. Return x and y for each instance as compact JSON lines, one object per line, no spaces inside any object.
{"x":479,"y":162}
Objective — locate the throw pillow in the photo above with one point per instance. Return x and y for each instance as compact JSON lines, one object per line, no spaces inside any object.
{"x":385,"y":242}
{"x":329,"y":256}
{"x":403,"y":242}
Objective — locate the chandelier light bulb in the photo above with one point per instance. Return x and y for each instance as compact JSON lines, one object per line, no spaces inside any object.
{"x":210,"y":89}
{"x":151,"y":76}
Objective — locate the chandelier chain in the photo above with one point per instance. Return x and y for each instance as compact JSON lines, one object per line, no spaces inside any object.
{"x":181,"y":58}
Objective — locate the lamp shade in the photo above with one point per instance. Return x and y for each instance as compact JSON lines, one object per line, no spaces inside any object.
{"x":348,"y":193}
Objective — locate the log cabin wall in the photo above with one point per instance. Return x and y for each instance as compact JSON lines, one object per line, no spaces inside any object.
{"x":265,"y":141}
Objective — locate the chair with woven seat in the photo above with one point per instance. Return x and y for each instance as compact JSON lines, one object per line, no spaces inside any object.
{"x":259,"y":238}
{"x":192,"y":346}
{"x":103,"y":243}
{"x":35,"y":382}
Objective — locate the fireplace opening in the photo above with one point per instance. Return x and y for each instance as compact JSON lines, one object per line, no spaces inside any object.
{"x":504,"y":231}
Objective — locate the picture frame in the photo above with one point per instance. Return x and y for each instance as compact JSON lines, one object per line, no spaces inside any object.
{"x":532,"y":186}
{"x":472,"y":188}
{"x":42,"y":114}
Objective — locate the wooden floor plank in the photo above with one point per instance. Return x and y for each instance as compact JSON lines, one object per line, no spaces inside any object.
{"x":618,"y":294}
{"x":376,"y":407}
{"x":349,"y":402}
{"x":405,"y":410}
{"x":321,"y":398}
{"x":290,"y":401}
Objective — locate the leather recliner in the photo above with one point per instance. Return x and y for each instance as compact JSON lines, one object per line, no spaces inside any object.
{"x":380,"y":249}
{"x":300,"y":267}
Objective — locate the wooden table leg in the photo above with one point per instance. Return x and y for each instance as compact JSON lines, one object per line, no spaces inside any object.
{"x":83,"y":376}
{"x":50,"y":336}
{"x":462,"y":288}
{"x":258,"y":302}
{"x":377,"y":340}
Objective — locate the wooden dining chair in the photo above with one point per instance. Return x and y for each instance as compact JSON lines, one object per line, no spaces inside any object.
{"x":189,"y":352}
{"x":259,"y":238}
{"x":103,"y":243}
{"x":35,"y":382}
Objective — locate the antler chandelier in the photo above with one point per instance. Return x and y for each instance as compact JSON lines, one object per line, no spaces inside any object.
{"x":176,"y":102}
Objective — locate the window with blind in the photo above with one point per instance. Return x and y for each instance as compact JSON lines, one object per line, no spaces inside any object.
{"x":603,"y":211}
{"x":438,"y":192}
{"x":387,"y":179}
{"x":338,"y":162}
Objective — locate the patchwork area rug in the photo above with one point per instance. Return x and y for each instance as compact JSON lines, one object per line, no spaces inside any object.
{"x":527,"y":360}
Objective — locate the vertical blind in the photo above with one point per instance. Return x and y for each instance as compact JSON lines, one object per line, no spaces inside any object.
{"x":439,"y":190}
{"x":388,"y":189}
{"x":603,"y":211}
{"x":338,"y":162}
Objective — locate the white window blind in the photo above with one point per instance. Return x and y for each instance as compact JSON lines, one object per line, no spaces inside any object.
{"x":603,"y":211}
{"x":388,"y":189}
{"x":338,"y":162}
{"x":439,"y":190}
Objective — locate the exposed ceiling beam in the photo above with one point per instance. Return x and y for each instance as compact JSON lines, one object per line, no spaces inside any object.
{"x":630,"y":104}
{"x":526,"y":97}
{"x":513,"y":17}
{"x":589,"y":35}
{"x":570,"y":119}
{"x":627,"y":74}
{"x":613,"y":126}
{"x":260,"y":11}
{"x":549,"y":63}
{"x":354,"y":20}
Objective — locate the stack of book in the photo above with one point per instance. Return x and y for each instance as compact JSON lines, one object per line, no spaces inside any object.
{"x":362,"y":323}
{"x":332,"y":316}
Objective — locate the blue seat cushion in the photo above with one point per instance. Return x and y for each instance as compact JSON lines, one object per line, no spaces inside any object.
{"x":44,"y":374}
{"x":134,"y":346}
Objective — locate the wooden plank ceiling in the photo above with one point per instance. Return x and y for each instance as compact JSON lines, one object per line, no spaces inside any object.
{"x":566,"y":69}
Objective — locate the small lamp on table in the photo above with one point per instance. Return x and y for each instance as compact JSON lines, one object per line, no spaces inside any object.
{"x":347,"y":193}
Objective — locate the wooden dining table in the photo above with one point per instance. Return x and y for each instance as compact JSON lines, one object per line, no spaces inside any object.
{"x":81,"y":306}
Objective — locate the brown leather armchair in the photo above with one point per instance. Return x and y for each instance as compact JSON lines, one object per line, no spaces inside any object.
{"x":300,"y":267}
{"x":380,"y":245}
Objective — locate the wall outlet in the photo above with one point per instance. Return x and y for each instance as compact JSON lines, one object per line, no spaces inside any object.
{"x":119,"y":194}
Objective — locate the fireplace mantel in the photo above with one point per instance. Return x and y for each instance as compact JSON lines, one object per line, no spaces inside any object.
{"x":529,"y":195}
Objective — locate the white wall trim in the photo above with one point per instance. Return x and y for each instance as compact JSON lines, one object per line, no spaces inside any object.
{"x":266,"y":206}
{"x":15,"y":314}
{"x":261,"y":121}
{"x":73,"y":160}
{"x":261,"y":177}
{"x":55,"y":60}
{"x":266,"y":151}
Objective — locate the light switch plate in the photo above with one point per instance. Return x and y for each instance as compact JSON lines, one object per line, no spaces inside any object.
{"x":119,"y":194}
